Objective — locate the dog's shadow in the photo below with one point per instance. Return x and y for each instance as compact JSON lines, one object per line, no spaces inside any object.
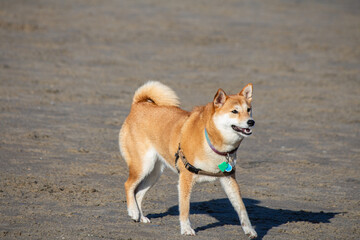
{"x":263,"y":218}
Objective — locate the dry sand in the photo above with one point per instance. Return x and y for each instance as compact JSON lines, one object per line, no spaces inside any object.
{"x":68,"y":70}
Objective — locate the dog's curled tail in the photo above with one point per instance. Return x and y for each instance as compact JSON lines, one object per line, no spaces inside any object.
{"x":157,"y":93}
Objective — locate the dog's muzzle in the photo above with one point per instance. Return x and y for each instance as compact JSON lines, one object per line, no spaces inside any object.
{"x":245,"y":131}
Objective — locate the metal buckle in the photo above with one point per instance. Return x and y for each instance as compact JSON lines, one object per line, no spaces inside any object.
{"x":227,"y":157}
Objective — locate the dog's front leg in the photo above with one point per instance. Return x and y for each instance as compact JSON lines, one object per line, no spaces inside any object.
{"x":232,"y":190}
{"x":186,"y":183}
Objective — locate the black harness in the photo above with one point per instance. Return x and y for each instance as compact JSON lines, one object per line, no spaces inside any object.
{"x":195,"y":170}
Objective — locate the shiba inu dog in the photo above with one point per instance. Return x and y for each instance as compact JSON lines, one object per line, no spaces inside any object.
{"x":200,"y":145}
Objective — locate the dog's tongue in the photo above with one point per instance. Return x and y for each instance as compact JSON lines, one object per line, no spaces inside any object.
{"x":247,"y":130}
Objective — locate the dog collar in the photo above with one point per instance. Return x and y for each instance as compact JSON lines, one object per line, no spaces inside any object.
{"x":214,"y":149}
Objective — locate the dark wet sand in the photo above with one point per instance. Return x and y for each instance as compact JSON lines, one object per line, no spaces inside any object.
{"x":68,"y":70}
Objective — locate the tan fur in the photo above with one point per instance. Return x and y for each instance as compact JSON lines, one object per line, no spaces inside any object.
{"x":151,"y":134}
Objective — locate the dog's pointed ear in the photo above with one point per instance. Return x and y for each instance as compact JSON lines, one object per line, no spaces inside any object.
{"x":247,"y":92}
{"x":220,"y":98}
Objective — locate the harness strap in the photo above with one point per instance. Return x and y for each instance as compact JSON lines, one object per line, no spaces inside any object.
{"x":198,"y":171}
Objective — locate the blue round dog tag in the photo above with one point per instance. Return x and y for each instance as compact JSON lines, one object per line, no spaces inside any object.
{"x":229,"y":168}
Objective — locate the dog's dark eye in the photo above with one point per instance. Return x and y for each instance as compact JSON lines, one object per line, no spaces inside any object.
{"x":234,"y":111}
{"x":248,"y":110}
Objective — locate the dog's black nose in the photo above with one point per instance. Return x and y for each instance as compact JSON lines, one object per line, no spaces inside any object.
{"x":251,"y":122}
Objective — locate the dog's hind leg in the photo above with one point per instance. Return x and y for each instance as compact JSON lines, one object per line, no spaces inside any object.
{"x":232,"y":190}
{"x":146,"y":184}
{"x":142,"y":176}
{"x":130,"y":185}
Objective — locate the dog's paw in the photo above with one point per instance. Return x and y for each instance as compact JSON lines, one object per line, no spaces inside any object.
{"x":188,"y":232}
{"x":250,"y":232}
{"x":135,"y":215}
{"x":144,"y":219}
{"x":186,"y":229}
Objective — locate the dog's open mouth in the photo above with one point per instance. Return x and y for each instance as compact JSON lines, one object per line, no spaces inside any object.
{"x":246,"y":131}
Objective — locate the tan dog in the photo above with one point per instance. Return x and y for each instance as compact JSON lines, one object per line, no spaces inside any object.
{"x":205,"y":139}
